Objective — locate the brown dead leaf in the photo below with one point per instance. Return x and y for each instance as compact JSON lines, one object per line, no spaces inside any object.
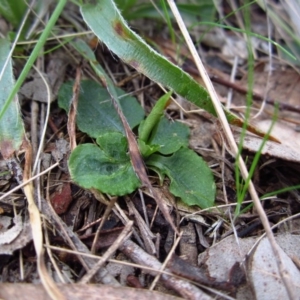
{"x":73,"y":110}
{"x":283,"y":84}
{"x":56,"y":69}
{"x":35,"y":90}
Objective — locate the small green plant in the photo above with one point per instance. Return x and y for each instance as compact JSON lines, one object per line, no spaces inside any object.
{"x":106,"y":166}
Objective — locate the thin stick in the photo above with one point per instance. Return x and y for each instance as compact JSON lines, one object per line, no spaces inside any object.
{"x":220,"y":112}
{"x":37,"y":234}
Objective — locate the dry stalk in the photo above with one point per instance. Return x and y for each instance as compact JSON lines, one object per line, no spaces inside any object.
{"x":163,"y":266}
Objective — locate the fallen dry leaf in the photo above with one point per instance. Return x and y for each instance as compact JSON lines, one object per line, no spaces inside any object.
{"x":220,"y":258}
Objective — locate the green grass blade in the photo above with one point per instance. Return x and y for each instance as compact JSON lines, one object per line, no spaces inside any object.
{"x":284,"y":190}
{"x":34,"y":55}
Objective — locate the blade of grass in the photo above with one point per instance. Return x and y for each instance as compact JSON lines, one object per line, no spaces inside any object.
{"x":34,"y":54}
{"x":168,"y":20}
{"x":284,"y":190}
{"x":249,"y":99}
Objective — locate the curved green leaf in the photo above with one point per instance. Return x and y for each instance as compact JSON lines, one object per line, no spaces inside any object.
{"x":95,"y":112}
{"x":191,"y":178}
{"x":105,"y":169}
{"x":105,"y":20}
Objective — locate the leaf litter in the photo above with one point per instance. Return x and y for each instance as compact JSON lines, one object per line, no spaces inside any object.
{"x":202,"y":228}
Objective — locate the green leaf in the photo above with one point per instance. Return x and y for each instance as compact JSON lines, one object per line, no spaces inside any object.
{"x":107,"y":169}
{"x":96,"y":113}
{"x":105,"y":20}
{"x":191,"y":178}
{"x":157,"y":134}
{"x":11,"y":125}
{"x":170,"y":136}
{"x":114,"y":145}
